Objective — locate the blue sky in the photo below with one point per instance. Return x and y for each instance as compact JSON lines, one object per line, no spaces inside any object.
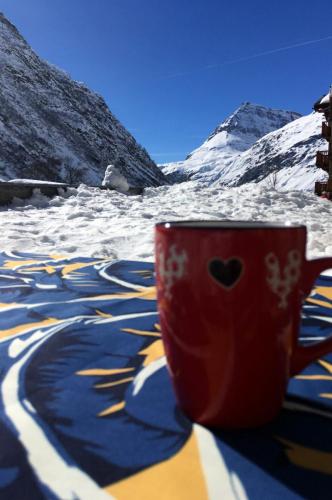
{"x":172,"y":70}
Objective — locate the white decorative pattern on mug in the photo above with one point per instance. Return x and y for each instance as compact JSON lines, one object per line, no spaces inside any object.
{"x":171,"y":268}
{"x":282,"y":285}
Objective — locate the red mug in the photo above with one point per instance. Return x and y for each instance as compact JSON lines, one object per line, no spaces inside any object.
{"x":229,"y":299}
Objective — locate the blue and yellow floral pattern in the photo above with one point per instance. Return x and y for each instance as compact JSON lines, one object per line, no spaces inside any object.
{"x":87,"y":410}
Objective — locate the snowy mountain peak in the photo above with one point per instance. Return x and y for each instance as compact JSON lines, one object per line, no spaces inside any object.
{"x":54,"y":128}
{"x":5,"y":22}
{"x":253,"y":120}
{"x":237,"y":133}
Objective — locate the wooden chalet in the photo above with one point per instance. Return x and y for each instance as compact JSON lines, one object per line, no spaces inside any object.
{"x":324,"y":158}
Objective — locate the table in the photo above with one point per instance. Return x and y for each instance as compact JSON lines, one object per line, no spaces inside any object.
{"x":87,"y":410}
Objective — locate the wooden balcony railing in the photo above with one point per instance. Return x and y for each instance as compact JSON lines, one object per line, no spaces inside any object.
{"x":324,"y":189}
{"x":320,"y":187}
{"x":326,"y":131}
{"x":322,"y":160}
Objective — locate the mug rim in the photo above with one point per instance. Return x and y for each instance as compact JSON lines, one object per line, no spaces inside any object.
{"x":229,"y":224}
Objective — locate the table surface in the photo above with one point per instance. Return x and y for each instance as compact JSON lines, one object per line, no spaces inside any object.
{"x":87,"y":410}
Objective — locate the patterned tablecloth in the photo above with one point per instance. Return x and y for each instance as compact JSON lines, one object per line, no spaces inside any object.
{"x":87,"y":410}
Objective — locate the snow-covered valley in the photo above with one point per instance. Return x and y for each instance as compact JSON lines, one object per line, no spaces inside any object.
{"x":55,"y":129}
{"x":90,"y":222}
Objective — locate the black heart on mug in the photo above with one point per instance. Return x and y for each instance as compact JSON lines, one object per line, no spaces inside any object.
{"x":226,"y":272}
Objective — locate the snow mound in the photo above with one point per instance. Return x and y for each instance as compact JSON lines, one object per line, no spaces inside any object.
{"x":114,"y":179}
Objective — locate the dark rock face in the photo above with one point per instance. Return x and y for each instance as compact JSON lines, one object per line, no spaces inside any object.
{"x":53,"y":128}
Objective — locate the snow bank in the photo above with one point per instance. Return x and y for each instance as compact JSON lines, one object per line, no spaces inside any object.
{"x":92,"y":222}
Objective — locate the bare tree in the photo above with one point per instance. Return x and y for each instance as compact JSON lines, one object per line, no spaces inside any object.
{"x":75,"y":176}
{"x":272,"y":180}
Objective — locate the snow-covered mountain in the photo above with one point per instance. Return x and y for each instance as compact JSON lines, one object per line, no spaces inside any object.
{"x":53,"y":128}
{"x":232,"y":137}
{"x":284,"y":158}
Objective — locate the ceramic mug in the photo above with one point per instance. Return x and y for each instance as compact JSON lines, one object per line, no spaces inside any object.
{"x":229,"y":299}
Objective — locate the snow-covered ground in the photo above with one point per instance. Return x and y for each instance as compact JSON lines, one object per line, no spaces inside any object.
{"x":90,"y":222}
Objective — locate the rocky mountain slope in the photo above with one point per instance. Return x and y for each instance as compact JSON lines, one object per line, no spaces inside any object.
{"x":53,"y":128}
{"x":284,"y":158}
{"x":230,"y":139}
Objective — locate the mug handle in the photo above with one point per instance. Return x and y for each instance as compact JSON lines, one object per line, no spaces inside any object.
{"x":303,"y":356}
